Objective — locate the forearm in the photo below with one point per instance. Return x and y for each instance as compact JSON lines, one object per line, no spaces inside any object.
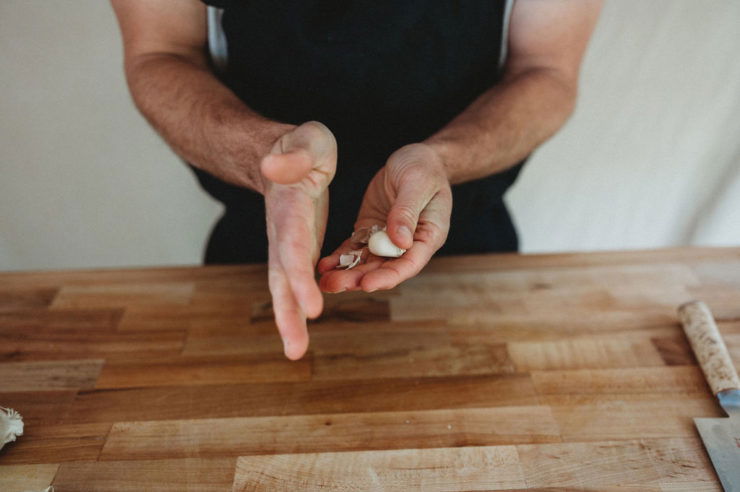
{"x":201,"y":119}
{"x":505,"y":124}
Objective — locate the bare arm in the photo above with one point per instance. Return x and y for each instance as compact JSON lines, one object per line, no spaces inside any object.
{"x":170,"y":81}
{"x":547,"y":39}
{"x":206,"y":124}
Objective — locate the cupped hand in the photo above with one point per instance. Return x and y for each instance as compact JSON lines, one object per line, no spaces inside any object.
{"x":411,"y":196}
{"x":297,"y":173}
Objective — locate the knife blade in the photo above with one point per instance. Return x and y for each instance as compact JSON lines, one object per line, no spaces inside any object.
{"x":721,"y":436}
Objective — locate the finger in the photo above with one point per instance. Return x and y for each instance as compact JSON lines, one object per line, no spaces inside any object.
{"x":289,"y":318}
{"x":393,"y":272}
{"x":310,"y":146}
{"x":287,"y":168}
{"x":336,"y":281}
{"x":414,"y":193}
{"x":431,"y":233}
{"x":296,"y":260}
{"x":328,"y":263}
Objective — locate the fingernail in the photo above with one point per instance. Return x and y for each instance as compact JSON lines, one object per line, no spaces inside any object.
{"x":405,"y":233}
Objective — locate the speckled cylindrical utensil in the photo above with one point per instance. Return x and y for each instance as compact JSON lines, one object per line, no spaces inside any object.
{"x":708,"y":346}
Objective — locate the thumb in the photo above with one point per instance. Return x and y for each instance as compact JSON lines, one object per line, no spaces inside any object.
{"x":297,"y":152}
{"x":411,"y":199}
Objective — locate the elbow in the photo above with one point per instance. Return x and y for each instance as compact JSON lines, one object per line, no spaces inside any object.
{"x":564,"y":94}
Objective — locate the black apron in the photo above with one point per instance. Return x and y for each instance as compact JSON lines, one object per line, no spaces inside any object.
{"x":380,"y":74}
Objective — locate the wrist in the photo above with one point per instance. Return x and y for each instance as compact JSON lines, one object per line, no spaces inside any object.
{"x":261,"y":138}
{"x":443,"y":150}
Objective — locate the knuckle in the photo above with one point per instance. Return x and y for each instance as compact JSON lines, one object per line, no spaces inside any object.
{"x":405,"y":213}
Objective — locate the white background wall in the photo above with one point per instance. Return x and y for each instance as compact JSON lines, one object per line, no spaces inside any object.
{"x":650,"y":159}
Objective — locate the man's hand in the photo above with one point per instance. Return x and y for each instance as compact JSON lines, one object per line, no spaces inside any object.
{"x":411,"y":196}
{"x":297,"y":172}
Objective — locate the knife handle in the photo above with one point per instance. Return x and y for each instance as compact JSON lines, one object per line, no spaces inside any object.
{"x":708,"y":346}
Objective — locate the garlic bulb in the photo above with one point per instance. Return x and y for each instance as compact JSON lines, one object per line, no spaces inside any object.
{"x":11,"y":425}
{"x":381,"y":245}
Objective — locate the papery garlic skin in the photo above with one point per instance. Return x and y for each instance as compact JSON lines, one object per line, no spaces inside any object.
{"x":350,"y":260}
{"x":11,"y":425}
{"x":380,"y":244}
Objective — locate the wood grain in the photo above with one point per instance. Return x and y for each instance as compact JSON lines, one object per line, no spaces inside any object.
{"x":631,"y":464}
{"x":25,"y":298}
{"x":491,"y":372}
{"x":302,"y":398}
{"x":19,"y":478}
{"x":334,"y":432}
{"x":54,"y":443}
{"x":49,"y":375}
{"x":684,"y":379}
{"x":583,"y":354}
{"x":207,"y":475}
{"x":606,"y":417}
{"x":444,"y":469}
{"x":190,"y":370}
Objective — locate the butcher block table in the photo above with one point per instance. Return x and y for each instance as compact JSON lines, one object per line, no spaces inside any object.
{"x":496,"y":372}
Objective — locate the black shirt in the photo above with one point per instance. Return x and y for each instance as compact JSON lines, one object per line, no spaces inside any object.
{"x":380,"y":74}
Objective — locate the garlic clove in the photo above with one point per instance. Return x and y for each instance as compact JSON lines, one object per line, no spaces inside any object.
{"x":381,"y":245}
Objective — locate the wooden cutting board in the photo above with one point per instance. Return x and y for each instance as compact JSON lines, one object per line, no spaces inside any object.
{"x":497,"y":372}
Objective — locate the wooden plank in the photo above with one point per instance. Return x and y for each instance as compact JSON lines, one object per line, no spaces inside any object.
{"x":334,"y":432}
{"x":51,"y":443}
{"x":202,"y":370}
{"x":483,"y":296}
{"x":583,"y":353}
{"x":682,"y":463}
{"x":626,"y":416}
{"x":395,"y":350}
{"x":157,"y":318}
{"x":20,"y":478}
{"x":674,"y":350}
{"x":510,"y":329}
{"x":96,"y":320}
{"x":42,"y":407}
{"x":49,"y":375}
{"x":723,"y":300}
{"x":232,"y":340}
{"x":619,"y":381}
{"x":26,"y":298}
{"x":302,"y":398}
{"x":101,"y":295}
{"x":445,"y":469}
{"x":17,"y":344}
{"x":588,"y":466}
{"x":352,"y":307}
{"x":215,"y":475}
{"x":231,"y":312}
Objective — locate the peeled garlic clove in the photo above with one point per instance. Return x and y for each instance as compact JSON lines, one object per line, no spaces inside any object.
{"x":11,"y":425}
{"x":381,"y":245}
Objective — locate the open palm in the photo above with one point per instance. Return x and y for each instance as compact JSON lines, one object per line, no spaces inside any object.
{"x":297,"y":174}
{"x":411,"y":196}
